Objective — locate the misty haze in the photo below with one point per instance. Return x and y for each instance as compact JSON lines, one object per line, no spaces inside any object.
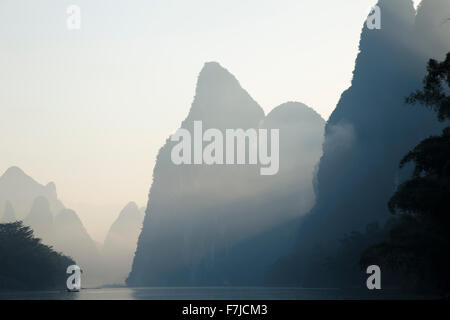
{"x":120,"y":149}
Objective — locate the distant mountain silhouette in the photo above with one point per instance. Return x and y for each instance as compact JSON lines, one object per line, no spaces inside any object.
{"x":120,"y":243}
{"x":368,"y":133}
{"x":64,"y":231}
{"x":301,"y":138}
{"x":71,"y":237}
{"x":21,"y":190}
{"x":225,"y":224}
{"x":9,"y":214}
{"x":40,"y":219}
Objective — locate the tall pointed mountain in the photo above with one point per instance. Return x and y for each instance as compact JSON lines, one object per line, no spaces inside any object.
{"x":367,"y":135}
{"x":210,"y":225}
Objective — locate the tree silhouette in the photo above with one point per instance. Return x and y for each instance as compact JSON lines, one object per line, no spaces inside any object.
{"x":418,"y":245}
{"x":26,"y":263}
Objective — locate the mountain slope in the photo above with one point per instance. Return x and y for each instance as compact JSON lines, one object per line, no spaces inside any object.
{"x":9,"y":214}
{"x":368,"y":133}
{"x":64,"y":231}
{"x":40,"y":219}
{"x":71,"y":237}
{"x":120,"y":243}
{"x":21,"y":190}
{"x":202,"y":220}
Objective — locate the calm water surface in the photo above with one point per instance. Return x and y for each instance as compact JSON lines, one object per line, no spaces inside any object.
{"x":209,"y":293}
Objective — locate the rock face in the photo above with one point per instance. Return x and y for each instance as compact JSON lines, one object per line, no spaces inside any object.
{"x":433,"y":28}
{"x":50,"y":221}
{"x":370,"y":130}
{"x":222,"y":224}
{"x":120,"y":243}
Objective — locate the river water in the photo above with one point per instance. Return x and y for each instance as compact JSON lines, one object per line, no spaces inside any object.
{"x":204,"y":293}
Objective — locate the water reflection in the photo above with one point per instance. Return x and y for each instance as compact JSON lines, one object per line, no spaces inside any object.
{"x":203,"y":293}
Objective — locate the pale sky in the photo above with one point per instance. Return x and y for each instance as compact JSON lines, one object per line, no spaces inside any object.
{"x":89,"y":109}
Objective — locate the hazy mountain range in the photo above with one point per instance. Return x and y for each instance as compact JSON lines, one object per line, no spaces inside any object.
{"x":214,"y":225}
{"x":61,"y":228}
{"x":21,"y":191}
{"x":219,"y":225}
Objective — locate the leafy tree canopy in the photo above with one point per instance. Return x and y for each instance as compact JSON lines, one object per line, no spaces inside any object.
{"x":418,"y":245}
{"x":26,"y":263}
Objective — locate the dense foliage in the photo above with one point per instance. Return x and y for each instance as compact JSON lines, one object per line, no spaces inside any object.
{"x":26,"y":263}
{"x":418,"y":245}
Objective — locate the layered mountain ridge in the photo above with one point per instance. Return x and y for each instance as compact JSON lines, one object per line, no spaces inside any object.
{"x":202,"y":220}
{"x":50,"y":221}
